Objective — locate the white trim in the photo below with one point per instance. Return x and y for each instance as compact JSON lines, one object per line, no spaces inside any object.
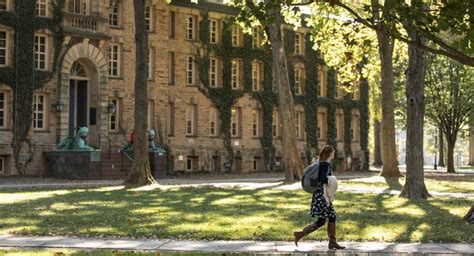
{"x":40,"y":108}
{"x":256,"y":75}
{"x":189,"y":70}
{"x":213,"y":31}
{"x":7,"y":5}
{"x":115,"y":116}
{"x":114,"y":16}
{"x":4,"y":109}
{"x":42,"y":6}
{"x":190,"y":119}
{"x":6,"y":48}
{"x":190,"y":25}
{"x":40,"y":53}
{"x":213,"y":121}
{"x":255,"y":123}
{"x":298,"y":81}
{"x":236,"y":36}
{"x":234,"y":122}
{"x":213,"y":72}
{"x":115,"y":52}
{"x":256,"y":41}
{"x":150,"y":62}
{"x":235,"y":74}
{"x":149,"y":19}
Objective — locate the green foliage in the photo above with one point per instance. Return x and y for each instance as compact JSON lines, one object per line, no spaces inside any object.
{"x":449,"y":94}
{"x":21,"y":76}
{"x":225,"y":97}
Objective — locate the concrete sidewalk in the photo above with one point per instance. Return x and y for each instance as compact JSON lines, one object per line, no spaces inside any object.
{"x":10,"y":241}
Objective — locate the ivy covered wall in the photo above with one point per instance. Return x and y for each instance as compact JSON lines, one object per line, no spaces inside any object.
{"x":225,"y":97}
{"x":21,"y":75}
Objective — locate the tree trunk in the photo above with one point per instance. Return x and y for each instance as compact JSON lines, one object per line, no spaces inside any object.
{"x":140,"y":173}
{"x":291,"y":159}
{"x":377,"y":148}
{"x":451,"y":144}
{"x":441,"y":147}
{"x":414,"y":187}
{"x":389,"y":152}
{"x":471,"y":141}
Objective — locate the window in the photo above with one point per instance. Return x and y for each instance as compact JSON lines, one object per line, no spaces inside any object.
{"x":255,"y":122}
{"x":114,"y":15}
{"x":235,"y":74}
{"x":171,"y":119}
{"x":321,"y":125}
{"x":39,"y":111}
{"x":114,"y":117}
{"x":322,"y":81}
{"x":256,"y":37}
{"x":41,"y":8}
{"x":149,"y":63}
{"x":340,"y":126}
{"x":151,"y":114}
{"x":298,"y":81}
{"x":40,"y":52}
{"x":299,"y":44}
{"x":190,"y":119}
{"x":3,"y":110}
{"x":114,"y":60}
{"x":3,"y":48}
{"x":234,"y":122}
{"x":213,"y":121}
{"x":257,"y":162}
{"x":190,"y":27}
{"x":213,"y":72}
{"x":2,"y":165}
{"x":298,"y":126}
{"x":192,"y":163}
{"x":3,"y":5}
{"x":171,"y":68}
{"x":172,"y":28}
{"x":257,"y":70}
{"x":148,"y":18}
{"x":214,"y":32}
{"x":189,"y":70}
{"x":355,"y":134}
{"x":236,"y":36}
{"x":275,"y":124}
{"x":78,"y":6}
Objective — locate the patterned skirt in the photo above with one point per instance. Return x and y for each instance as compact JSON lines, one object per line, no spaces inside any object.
{"x":319,"y":208}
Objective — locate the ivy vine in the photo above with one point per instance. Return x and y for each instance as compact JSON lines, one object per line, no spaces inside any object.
{"x":225,"y":97}
{"x":21,"y":75}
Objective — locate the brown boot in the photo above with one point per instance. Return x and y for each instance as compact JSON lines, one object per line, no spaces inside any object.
{"x":332,"y":236}
{"x":306,"y":231}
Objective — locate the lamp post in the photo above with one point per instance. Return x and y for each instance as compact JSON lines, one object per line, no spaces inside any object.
{"x":436,"y":152}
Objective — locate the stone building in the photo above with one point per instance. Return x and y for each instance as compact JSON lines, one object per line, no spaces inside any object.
{"x":93,"y":86}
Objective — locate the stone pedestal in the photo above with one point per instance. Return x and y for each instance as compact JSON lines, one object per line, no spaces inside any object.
{"x":158,"y":164}
{"x":80,"y":165}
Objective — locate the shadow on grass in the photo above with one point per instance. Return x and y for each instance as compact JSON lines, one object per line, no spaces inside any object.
{"x":393,"y":183}
{"x":228,"y":214}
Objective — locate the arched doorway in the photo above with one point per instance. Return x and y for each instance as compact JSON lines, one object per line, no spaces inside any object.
{"x":78,"y":98}
{"x":83,"y":90}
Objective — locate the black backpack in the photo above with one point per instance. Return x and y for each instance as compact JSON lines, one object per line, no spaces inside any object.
{"x":310,"y":181}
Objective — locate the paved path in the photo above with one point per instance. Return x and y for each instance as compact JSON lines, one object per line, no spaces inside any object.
{"x":243,"y":183}
{"x":10,"y":241}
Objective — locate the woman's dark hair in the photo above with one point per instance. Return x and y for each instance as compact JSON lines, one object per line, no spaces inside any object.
{"x":325,"y":152}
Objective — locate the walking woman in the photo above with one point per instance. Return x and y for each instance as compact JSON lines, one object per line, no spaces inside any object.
{"x":321,"y":208}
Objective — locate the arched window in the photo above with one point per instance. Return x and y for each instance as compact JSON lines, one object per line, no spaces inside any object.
{"x":77,"y":70}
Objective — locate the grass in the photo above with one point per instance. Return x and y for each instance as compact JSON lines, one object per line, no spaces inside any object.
{"x":228,"y":214}
{"x":69,"y":252}
{"x":435,"y":182}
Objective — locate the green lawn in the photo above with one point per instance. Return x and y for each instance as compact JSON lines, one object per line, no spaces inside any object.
{"x":435,"y":182}
{"x":230,"y":214}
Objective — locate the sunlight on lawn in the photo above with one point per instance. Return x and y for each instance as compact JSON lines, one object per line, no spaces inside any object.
{"x":217,"y":213}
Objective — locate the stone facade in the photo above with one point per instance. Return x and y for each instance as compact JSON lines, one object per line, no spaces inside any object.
{"x":94,"y":45}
